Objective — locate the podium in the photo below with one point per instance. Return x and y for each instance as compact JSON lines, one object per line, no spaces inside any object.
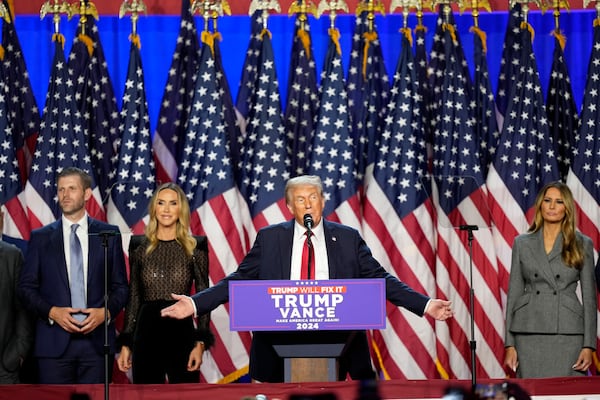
{"x":309,"y":324}
{"x":311,"y":356}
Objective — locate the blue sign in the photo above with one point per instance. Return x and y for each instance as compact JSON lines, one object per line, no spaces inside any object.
{"x":284,"y":305}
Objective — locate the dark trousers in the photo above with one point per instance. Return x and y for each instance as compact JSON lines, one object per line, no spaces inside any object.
{"x":81,"y":363}
{"x":162,"y":347}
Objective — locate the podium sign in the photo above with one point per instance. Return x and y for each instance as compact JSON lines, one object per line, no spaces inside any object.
{"x":284,"y":305}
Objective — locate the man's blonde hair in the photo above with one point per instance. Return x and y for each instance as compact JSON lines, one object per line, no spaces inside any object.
{"x":302,"y":180}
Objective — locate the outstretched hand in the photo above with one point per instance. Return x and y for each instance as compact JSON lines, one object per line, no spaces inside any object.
{"x":439,"y":309}
{"x":180,"y":310}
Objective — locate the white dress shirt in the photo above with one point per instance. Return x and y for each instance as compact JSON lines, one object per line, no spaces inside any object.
{"x":320,"y":252}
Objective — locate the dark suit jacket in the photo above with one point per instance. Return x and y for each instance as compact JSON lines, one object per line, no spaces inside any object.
{"x":44,"y":283}
{"x":270,"y":258}
{"x":541,"y":293}
{"x":16,"y":328}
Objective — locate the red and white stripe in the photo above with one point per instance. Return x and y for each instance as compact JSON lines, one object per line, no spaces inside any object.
{"x":16,"y":224}
{"x":224,"y":220}
{"x":453,"y":277}
{"x":508,"y":222}
{"x":165,"y":162}
{"x":588,"y":210}
{"x":407,"y":347}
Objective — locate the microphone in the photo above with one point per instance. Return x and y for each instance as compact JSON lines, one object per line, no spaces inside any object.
{"x":308,"y":221}
{"x":468,"y":227}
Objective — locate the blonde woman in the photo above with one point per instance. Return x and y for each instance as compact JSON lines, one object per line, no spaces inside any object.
{"x":167,"y":259}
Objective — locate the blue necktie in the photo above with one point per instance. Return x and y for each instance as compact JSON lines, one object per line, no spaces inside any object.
{"x":77,"y":282}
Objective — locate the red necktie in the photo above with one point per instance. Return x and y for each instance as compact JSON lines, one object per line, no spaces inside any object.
{"x":305,"y":251}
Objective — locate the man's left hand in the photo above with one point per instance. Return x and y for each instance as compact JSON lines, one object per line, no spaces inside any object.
{"x":94,"y":319}
{"x":183,"y":308}
{"x":439,"y":309}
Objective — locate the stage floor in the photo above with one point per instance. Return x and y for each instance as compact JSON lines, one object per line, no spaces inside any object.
{"x":538,"y":389}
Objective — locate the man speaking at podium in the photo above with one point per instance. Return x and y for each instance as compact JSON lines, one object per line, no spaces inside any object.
{"x":285,"y":251}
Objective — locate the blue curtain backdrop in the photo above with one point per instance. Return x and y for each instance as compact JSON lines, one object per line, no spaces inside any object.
{"x":158,"y":36}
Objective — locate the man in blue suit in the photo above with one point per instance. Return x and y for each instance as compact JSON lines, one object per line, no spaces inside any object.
{"x":340,"y":253}
{"x":69,"y":340}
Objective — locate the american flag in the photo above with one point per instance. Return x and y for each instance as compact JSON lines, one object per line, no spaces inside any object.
{"x":355,"y":76}
{"x":560,"y":104}
{"x":250,"y":69}
{"x":525,"y":158}
{"x":422,"y":71}
{"x":177,"y":98}
{"x":333,"y":148}
{"x":264,"y":167}
{"x":486,"y":125}
{"x":218,"y":211}
{"x":61,"y":143}
{"x":396,"y":205}
{"x":24,"y":122}
{"x":231,"y":119}
{"x":22,"y":106}
{"x":96,"y":101}
{"x":459,"y":195}
{"x":247,"y":83}
{"x":134,"y":173}
{"x":436,"y":68}
{"x":583,"y":177}
{"x":10,"y":177}
{"x":302,"y":100}
{"x":368,"y":91}
{"x":508,"y":62}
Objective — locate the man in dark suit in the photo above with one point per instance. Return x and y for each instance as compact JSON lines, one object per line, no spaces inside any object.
{"x":340,"y":253}
{"x":16,"y":328}
{"x":69,"y":340}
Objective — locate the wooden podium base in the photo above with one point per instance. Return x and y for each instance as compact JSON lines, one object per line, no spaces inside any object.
{"x":311,"y":369}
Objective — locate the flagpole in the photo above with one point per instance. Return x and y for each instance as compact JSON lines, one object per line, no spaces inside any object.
{"x":56,"y":8}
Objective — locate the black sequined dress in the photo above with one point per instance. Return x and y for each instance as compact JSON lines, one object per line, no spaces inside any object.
{"x":161,"y":346}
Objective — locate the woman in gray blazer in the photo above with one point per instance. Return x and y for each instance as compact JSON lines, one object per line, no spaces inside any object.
{"x":550,"y":331}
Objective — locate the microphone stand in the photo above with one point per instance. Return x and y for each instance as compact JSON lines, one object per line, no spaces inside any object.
{"x":105,"y":236}
{"x":472,"y":342}
{"x":310,"y":251}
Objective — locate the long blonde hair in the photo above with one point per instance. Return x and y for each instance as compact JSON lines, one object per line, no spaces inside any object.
{"x":572,"y":250}
{"x":182,"y":235}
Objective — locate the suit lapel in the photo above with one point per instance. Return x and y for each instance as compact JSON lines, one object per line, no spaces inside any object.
{"x":330,"y":244}
{"x":556,"y":248}
{"x":93,"y":244}
{"x":286,"y":242}
{"x":545,"y":258}
{"x":57,"y":242}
